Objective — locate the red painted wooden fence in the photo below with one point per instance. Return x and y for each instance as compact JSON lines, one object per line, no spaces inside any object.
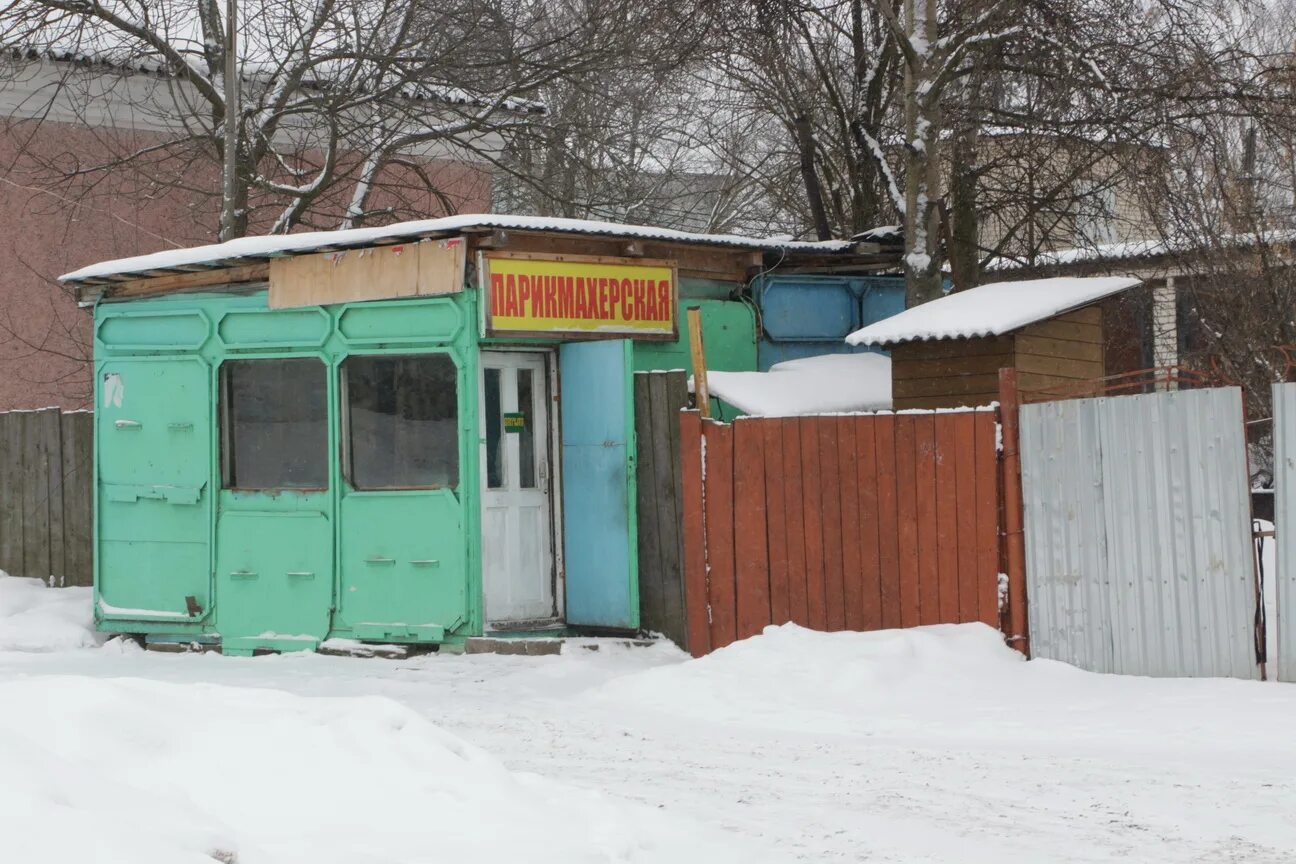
{"x":856,"y":522}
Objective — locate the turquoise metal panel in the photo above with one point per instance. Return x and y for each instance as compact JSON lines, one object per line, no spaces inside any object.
{"x":157,"y":513}
{"x":153,"y":473}
{"x":267,"y":328}
{"x":599,"y":525}
{"x":375,"y":323}
{"x":274,"y":577}
{"x":401,"y":565}
{"x":181,"y":330}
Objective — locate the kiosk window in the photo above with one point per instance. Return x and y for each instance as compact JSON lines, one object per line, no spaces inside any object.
{"x":402,"y":421}
{"x":274,"y":424}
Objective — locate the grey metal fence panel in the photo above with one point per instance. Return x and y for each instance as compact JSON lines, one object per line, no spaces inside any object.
{"x":1284,"y":437}
{"x":1138,"y":538}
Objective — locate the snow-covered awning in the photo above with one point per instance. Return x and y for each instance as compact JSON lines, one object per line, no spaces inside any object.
{"x":827,"y":384}
{"x":246,"y":250}
{"x":990,"y":310}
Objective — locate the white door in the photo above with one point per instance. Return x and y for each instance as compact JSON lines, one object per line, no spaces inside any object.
{"x":517,"y":516}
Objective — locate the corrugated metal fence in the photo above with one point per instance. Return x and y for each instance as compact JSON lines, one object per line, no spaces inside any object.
{"x":46,"y":495}
{"x":1138,"y":536}
{"x":1284,"y":437}
{"x":856,"y":522}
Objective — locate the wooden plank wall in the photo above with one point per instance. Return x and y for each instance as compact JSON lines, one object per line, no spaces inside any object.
{"x":659,"y":398}
{"x":948,"y":373}
{"x":1061,"y":356}
{"x":46,"y":495}
{"x":1056,"y":358}
{"x":856,"y":522}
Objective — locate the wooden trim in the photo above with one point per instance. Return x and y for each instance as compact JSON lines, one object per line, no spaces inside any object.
{"x":186,"y":281}
{"x":618,"y":260}
{"x":954,"y":348}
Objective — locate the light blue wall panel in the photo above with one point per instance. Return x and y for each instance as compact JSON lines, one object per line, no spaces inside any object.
{"x":599,"y":529}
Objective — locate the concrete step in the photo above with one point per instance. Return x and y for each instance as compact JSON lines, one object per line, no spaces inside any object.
{"x":540,"y":646}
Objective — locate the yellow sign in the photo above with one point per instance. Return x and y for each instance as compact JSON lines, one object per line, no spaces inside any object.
{"x":579,"y":296}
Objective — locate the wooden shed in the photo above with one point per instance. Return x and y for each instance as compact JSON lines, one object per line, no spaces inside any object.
{"x":948,"y":353}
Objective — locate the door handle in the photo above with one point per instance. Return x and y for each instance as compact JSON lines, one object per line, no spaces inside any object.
{"x":425,"y":562}
{"x":379,"y":559}
{"x":544,"y":475}
{"x":127,"y":424}
{"x":303,"y":574}
{"x":243,"y":574}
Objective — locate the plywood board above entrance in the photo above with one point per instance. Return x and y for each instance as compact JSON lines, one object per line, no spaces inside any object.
{"x":377,"y":273}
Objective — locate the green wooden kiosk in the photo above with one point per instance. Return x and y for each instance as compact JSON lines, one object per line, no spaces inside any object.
{"x":410,"y":434}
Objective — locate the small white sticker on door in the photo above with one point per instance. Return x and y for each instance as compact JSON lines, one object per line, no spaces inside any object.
{"x":113,"y":389}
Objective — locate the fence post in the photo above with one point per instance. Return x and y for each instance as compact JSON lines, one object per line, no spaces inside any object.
{"x":1014,"y":537}
{"x":696,"y":602}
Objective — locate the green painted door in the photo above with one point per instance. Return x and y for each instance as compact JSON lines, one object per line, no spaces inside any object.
{"x":274,"y":578}
{"x":153,"y":439}
{"x":402,"y":544}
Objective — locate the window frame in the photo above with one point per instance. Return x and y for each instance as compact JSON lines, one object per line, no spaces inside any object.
{"x":346,"y":464}
{"x":224,"y":430}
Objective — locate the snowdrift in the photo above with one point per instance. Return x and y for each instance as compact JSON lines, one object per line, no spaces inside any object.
{"x":36,"y":618}
{"x":152,"y":773}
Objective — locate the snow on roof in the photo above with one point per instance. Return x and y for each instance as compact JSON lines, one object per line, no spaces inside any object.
{"x":827,"y":384}
{"x":990,"y":310}
{"x":251,"y":249}
{"x":1136,"y":249}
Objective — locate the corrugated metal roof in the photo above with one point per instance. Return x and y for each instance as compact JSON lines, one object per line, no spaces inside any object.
{"x":247,"y":250}
{"x":1138,"y":541}
{"x":991,"y":310}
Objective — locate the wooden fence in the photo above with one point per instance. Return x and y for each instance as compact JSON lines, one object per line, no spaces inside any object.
{"x":858,"y":522}
{"x":46,"y":495}
{"x":659,"y":398}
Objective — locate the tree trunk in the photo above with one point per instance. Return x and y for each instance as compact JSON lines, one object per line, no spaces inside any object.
{"x":809,"y":176}
{"x":964,"y":255}
{"x":922,"y":166}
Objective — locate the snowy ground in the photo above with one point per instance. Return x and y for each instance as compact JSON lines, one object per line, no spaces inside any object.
{"x":928,"y":745}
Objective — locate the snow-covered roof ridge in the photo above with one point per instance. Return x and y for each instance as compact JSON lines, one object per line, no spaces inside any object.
{"x":991,"y":310}
{"x":261,"y":248}
{"x":1145,"y":248}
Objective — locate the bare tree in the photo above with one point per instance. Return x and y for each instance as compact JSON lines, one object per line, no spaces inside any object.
{"x":345,"y":103}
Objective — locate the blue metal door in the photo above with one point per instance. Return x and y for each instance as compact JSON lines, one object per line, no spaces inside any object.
{"x":599,"y":534}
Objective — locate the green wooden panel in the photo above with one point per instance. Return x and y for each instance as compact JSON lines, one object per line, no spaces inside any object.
{"x":433,"y":321}
{"x":287,"y":328}
{"x":728,"y":332}
{"x":274,"y":578}
{"x":402,"y":565}
{"x":159,"y":331}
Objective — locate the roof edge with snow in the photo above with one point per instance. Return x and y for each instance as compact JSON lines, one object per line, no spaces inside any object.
{"x":250,"y":250}
{"x":991,"y":310}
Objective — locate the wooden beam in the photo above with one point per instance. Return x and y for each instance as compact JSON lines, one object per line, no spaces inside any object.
{"x":147,"y":287}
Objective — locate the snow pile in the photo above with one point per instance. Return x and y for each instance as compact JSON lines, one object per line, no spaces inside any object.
{"x":991,"y":310}
{"x":152,"y":773}
{"x":36,"y":618}
{"x":792,"y":678}
{"x":827,"y":384}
